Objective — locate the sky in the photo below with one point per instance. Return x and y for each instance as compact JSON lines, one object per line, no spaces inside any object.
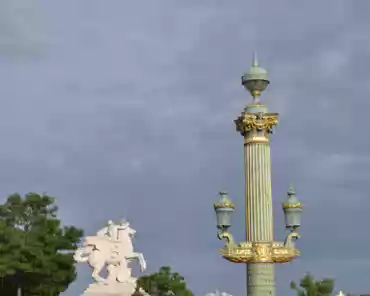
{"x":125,"y":109}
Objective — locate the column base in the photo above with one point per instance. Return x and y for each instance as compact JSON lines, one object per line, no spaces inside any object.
{"x":261,"y":279}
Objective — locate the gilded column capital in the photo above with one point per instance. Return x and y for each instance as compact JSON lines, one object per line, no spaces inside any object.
{"x":259,"y":122}
{"x":255,"y":127}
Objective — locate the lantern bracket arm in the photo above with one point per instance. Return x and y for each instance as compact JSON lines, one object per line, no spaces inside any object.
{"x":230,"y":242}
{"x":290,"y":239}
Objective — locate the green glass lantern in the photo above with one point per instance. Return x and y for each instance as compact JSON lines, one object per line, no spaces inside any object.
{"x":292,"y":208}
{"x":224,"y":210}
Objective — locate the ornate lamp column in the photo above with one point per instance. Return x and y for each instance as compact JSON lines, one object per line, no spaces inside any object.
{"x":260,"y":251}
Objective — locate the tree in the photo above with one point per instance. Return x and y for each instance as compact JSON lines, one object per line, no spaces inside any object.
{"x":164,"y":283}
{"x":35,"y":249}
{"x":310,"y":287}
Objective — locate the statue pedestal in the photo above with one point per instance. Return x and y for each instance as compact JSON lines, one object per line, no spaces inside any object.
{"x":111,"y":289}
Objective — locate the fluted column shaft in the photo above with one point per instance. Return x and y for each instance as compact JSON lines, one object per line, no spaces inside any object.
{"x":258,"y":197}
{"x":255,"y":124}
{"x":259,"y":215}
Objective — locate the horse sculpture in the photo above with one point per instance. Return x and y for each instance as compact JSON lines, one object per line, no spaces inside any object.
{"x":111,"y":247}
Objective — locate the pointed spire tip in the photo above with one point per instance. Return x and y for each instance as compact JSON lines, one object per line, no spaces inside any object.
{"x":255,"y":60}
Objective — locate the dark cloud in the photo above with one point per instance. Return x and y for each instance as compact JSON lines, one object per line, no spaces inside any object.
{"x":130,"y":111}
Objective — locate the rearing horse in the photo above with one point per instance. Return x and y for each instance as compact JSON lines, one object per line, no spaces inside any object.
{"x":101,"y":250}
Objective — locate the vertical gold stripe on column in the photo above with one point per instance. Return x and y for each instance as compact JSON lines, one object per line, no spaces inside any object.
{"x":263,"y":195}
{"x":247,"y":181}
{"x":263,"y":191}
{"x":269,"y":210}
{"x":258,"y":185}
{"x":248,"y":217}
{"x":250,"y":160}
{"x":252,"y":193}
{"x":248,"y":189}
{"x":255,"y":193}
{"x":266,"y":196}
{"x":261,"y":185}
{"x":260,"y":190}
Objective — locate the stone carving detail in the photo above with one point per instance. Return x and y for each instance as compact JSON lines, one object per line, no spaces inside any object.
{"x":111,"y":248}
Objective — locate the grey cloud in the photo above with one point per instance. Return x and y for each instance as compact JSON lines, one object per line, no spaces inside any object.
{"x":130,"y":113}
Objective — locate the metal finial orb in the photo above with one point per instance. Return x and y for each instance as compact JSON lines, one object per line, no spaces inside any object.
{"x":291,"y":190}
{"x":256,"y":80}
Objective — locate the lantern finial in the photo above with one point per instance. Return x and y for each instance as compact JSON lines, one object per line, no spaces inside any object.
{"x":256,"y":79}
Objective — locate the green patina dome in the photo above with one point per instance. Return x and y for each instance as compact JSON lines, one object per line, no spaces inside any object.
{"x":256,"y":80}
{"x":255,"y":72}
{"x":224,"y":202}
{"x":292,"y":201}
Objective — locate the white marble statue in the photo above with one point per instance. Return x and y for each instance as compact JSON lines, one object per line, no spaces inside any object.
{"x":111,"y":248}
{"x":218,"y":293}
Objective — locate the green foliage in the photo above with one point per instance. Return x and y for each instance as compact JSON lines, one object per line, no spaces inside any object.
{"x":36,"y":250}
{"x":164,"y":282}
{"x":309,"y":287}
